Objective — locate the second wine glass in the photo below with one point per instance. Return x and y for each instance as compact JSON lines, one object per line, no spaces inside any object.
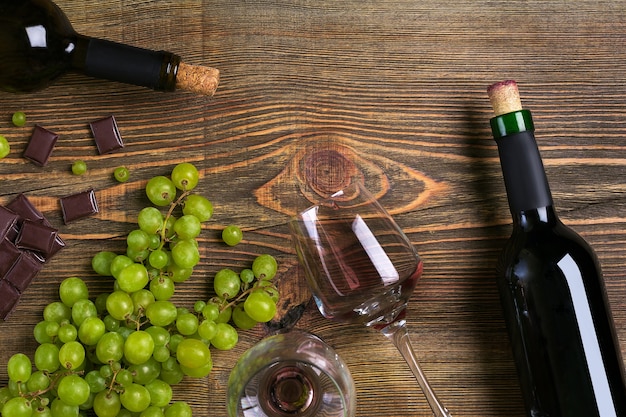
{"x":361,"y":268}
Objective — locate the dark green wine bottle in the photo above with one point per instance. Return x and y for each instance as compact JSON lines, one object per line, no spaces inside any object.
{"x":38,"y":45}
{"x":551,"y":288}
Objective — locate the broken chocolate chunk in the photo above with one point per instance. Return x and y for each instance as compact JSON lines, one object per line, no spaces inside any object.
{"x":9,"y":297}
{"x":79,"y":205}
{"x":107,"y":135}
{"x":36,"y":236}
{"x":40,"y":145}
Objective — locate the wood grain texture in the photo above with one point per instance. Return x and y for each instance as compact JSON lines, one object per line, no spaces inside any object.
{"x":402,"y":85}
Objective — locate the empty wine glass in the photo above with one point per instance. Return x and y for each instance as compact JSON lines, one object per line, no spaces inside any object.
{"x":291,"y":374}
{"x":361,"y":268}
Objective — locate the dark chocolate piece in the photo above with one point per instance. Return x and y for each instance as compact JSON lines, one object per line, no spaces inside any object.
{"x":9,"y":297}
{"x":36,"y":236}
{"x":40,"y":145}
{"x":23,"y":272}
{"x":107,"y":135}
{"x":57,"y":245}
{"x":8,"y":219}
{"x":22,"y":206}
{"x":79,"y":205}
{"x":9,"y":255}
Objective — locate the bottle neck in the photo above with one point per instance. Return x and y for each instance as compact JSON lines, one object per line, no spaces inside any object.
{"x":524,"y":175}
{"x":123,"y":63}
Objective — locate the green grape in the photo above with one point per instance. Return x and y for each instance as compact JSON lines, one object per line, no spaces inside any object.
{"x":200,"y":372}
{"x":225,"y":315}
{"x":158,"y":259}
{"x":241,"y":319}
{"x":207,"y":329}
{"x":193,"y":353}
{"x":155,"y":241}
{"x":106,"y":371}
{"x":61,"y":409}
{"x":52,"y":328}
{"x":226,"y":283}
{"x":187,"y":227}
{"x":40,"y":332}
{"x":47,"y":357}
{"x":135,"y":398}
{"x":73,"y":289}
{"x":19,"y":367}
{"x":18,"y":119}
{"x":111,"y":323}
{"x":211,"y":311}
{"x":73,"y":390}
{"x":168,"y":225}
{"x":161,"y":313}
{"x":226,"y":337}
{"x":160,"y":393}
{"x":119,"y":305}
{"x":178,"y":273}
{"x":126,"y":330}
{"x":161,"y":353}
{"x":17,"y":407}
{"x":150,"y":220}
{"x":72,"y":355}
{"x":175,"y":339}
{"x":171,"y":372}
{"x":161,"y":191}
{"x":185,"y":254}
{"x":152,"y":411}
{"x":260,"y":306}
{"x":38,"y":381}
{"x":57,"y":312}
{"x":145,"y":372}
{"x":121,"y":174}
{"x":246,"y":276}
{"x":5,"y":395}
{"x":133,"y":278}
{"x":141,"y":300}
{"x":83,"y":309}
{"x":91,"y":330}
{"x":67,"y":333}
{"x":5,"y":147}
{"x":110,"y":347}
{"x":162,"y":288}
{"x":101,"y":303}
{"x":119,"y":263}
{"x":137,"y":255}
{"x":159,"y":334}
{"x":138,"y":347}
{"x":17,"y":389}
{"x":107,"y":404}
{"x":232,"y":235}
{"x":198,"y":206}
{"x":264,"y":266}
{"x":138,"y":239}
{"x":124,"y":377}
{"x":198,"y":306}
{"x":101,"y":263}
{"x":185,"y":176}
{"x":97,"y":383}
{"x":41,"y":411}
{"x":79,"y":167}
{"x":178,"y":409}
{"x":187,"y":324}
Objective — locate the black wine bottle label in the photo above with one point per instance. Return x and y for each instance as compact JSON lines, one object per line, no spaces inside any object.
{"x":524,"y":176}
{"x":127,"y":64}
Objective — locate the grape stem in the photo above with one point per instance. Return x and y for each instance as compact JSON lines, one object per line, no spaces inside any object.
{"x":170,"y":211}
{"x":242,"y":296}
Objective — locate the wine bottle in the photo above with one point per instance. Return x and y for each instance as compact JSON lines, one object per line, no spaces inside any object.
{"x":551,"y":288}
{"x":38,"y":44}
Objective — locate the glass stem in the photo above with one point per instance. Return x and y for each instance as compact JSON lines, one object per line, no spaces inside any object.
{"x":398,"y":333}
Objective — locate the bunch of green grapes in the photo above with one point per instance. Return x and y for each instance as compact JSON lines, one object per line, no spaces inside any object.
{"x":119,"y":354}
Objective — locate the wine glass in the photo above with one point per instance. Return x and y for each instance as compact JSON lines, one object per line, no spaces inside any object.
{"x":361,"y":268}
{"x":291,"y":374}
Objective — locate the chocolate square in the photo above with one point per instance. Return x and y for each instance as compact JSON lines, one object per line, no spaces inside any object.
{"x":9,"y":297}
{"x":40,"y":145}
{"x":107,"y":135}
{"x":22,"y":206}
{"x":79,"y":205}
{"x":8,"y":219}
{"x":23,"y":272}
{"x":36,"y":236}
{"x":9,"y":255}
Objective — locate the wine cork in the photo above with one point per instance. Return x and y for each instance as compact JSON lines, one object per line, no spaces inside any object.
{"x":197,"y":79}
{"x":504,"y":97}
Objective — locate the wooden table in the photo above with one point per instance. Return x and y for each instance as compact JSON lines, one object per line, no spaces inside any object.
{"x":402,"y":84}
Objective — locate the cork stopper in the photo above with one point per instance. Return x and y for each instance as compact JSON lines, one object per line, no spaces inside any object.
{"x":504,"y":97}
{"x":197,"y":79}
